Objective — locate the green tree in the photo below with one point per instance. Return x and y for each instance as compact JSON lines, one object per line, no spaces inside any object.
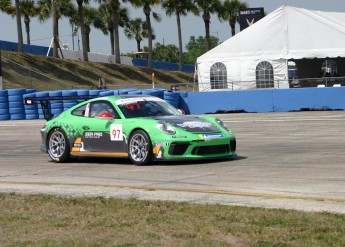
{"x":29,"y":9}
{"x":6,"y":7}
{"x":136,"y":29}
{"x":178,"y":8}
{"x":91,"y":18}
{"x":196,"y":47}
{"x":166,"y":53}
{"x":118,"y":18}
{"x":146,"y":5}
{"x":229,"y":11}
{"x":56,"y":9}
{"x":207,"y":7}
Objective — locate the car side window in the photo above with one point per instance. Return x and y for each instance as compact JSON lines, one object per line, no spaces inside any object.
{"x":80,"y":111}
{"x":97,"y":108}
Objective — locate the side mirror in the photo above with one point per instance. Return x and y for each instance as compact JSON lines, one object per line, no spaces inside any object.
{"x":106,"y":115}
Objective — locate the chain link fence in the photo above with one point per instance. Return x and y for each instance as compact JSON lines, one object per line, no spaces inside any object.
{"x":29,"y":77}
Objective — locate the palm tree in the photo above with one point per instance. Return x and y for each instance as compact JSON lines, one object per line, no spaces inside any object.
{"x":19,"y":27}
{"x":82,"y":27}
{"x":146,"y":5}
{"x":136,"y":29}
{"x":208,"y":7}
{"x":178,"y":8}
{"x":6,"y":7}
{"x":91,"y":18}
{"x":55,"y":9}
{"x":118,"y":17}
{"x":29,"y":9}
{"x":229,"y":11}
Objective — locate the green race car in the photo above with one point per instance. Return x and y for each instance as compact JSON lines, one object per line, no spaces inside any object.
{"x":143,"y":128}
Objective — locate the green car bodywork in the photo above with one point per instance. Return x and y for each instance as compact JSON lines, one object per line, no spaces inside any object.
{"x":143,"y":128}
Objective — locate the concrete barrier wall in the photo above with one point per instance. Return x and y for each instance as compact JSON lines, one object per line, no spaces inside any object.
{"x":270,"y":100}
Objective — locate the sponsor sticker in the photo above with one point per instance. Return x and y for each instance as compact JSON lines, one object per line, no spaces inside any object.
{"x":195,"y":124}
{"x":94,"y":135}
{"x":211,"y":136}
{"x":116,"y":133}
{"x":135,"y":100}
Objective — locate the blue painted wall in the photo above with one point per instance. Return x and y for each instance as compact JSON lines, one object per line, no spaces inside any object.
{"x":270,"y":100}
{"x":33,"y":49}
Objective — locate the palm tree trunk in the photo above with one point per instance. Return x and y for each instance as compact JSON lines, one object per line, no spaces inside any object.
{"x":138,"y":45}
{"x":55,"y":29}
{"x":208,"y":42}
{"x":27,"y":29}
{"x":19,"y":28}
{"x":82,"y":29}
{"x":117,"y":44}
{"x":180,"y":55}
{"x":232,"y":25}
{"x":149,"y":29}
{"x":87,"y":34}
{"x":111,"y":31}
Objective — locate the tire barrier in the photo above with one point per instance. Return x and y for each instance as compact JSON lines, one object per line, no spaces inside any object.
{"x":125,"y":91}
{"x":12,"y":100}
{"x":69,"y":103}
{"x":56,"y":107}
{"x":4,"y":111}
{"x":172,"y":98}
{"x":109,"y":93}
{"x":31,"y":111}
{"x":135,"y":92}
{"x":16,"y":103}
{"x":154,"y":92}
{"x":39,"y":107}
{"x":95,"y":92}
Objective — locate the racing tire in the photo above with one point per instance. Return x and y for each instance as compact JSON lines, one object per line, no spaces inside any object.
{"x":140,"y":148}
{"x":58,"y":146}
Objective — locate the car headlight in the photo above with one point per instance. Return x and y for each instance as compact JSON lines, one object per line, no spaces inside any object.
{"x":221,"y":123}
{"x":165,"y":128}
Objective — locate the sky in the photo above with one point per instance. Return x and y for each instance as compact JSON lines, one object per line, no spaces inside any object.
{"x":166,"y":30}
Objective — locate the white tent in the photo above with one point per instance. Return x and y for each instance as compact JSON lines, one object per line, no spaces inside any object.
{"x":286,"y":34}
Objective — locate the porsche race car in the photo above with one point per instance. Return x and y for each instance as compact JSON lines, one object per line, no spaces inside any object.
{"x":143,"y":128}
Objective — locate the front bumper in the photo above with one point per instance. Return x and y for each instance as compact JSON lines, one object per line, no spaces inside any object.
{"x":195,"y":149}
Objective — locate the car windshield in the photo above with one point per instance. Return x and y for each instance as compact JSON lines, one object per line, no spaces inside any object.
{"x":143,"y":107}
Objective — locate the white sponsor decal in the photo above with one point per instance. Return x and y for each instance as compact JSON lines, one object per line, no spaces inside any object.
{"x":195,"y":124}
{"x":93,"y":135}
{"x":116,"y":132}
{"x":135,"y":100}
{"x":211,"y":136}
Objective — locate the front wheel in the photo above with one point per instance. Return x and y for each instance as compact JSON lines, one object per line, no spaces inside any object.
{"x":140,"y":148}
{"x":58,"y":145}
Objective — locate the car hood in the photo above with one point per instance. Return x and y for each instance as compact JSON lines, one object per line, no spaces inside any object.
{"x":189,"y":123}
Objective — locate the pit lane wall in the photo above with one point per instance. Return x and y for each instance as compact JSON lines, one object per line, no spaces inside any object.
{"x":269,"y":100}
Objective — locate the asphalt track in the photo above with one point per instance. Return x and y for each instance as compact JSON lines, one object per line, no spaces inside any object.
{"x":285,"y":160}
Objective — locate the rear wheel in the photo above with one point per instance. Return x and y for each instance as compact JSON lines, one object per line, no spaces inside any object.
{"x":58,"y":145}
{"x":140,"y":148}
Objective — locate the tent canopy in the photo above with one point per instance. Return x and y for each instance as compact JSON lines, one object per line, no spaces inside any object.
{"x":286,"y":33}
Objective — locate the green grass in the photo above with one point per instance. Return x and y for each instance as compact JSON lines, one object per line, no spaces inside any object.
{"x":46,"y":73}
{"x":44,"y":220}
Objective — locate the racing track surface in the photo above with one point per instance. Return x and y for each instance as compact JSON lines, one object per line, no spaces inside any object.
{"x":285,"y":160}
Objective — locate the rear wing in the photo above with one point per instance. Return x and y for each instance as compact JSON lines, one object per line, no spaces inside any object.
{"x":44,"y":101}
